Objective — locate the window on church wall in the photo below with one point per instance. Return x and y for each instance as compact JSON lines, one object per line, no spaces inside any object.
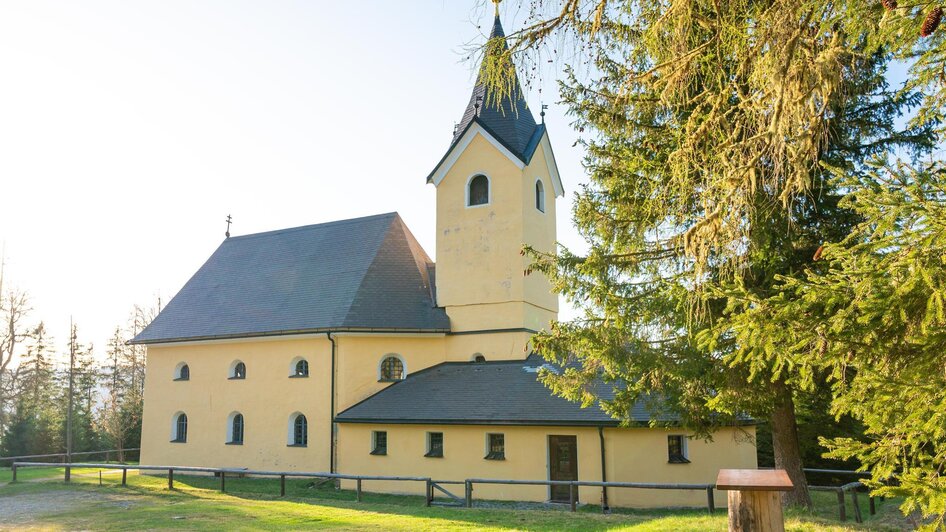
{"x":299,"y":431}
{"x":677,"y":449}
{"x":392,"y":369}
{"x":539,"y":196}
{"x":379,"y":442}
{"x":495,"y":447}
{"x":478,"y":191}
{"x":238,"y":371}
{"x":300,"y":369}
{"x":179,"y":434}
{"x":236,"y":430}
{"x":434,"y":445}
{"x":183,"y":373}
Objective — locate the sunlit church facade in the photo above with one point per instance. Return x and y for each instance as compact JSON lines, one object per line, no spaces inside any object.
{"x":342,"y":347}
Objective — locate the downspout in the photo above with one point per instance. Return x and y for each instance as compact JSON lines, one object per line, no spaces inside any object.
{"x":604,"y":475}
{"x":331,"y":432}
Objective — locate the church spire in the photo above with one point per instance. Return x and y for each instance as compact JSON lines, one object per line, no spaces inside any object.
{"x":508,"y":118}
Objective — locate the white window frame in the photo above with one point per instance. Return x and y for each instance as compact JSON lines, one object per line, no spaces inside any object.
{"x":403,"y":366}
{"x":538,"y":183}
{"x":489,"y":190}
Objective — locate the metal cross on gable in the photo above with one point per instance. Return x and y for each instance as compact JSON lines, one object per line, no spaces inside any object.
{"x":229,"y":221}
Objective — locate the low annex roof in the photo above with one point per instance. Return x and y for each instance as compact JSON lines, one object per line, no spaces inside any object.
{"x":363,"y":274}
{"x":490,"y":393}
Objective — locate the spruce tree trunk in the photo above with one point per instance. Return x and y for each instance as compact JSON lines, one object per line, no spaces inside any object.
{"x":786,"y":448}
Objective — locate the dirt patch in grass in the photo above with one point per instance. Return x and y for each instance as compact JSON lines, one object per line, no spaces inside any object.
{"x":28,"y":507}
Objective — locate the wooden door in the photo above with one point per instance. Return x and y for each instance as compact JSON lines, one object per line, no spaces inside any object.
{"x":563,"y":464}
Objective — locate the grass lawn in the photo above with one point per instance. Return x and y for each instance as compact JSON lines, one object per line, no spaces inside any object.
{"x":195,"y":504}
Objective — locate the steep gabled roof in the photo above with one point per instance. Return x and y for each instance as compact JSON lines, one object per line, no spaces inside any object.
{"x":491,"y":393}
{"x":360,"y":274}
{"x":509,"y":119}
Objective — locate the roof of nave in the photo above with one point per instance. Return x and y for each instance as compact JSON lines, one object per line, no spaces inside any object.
{"x":493,"y":393}
{"x":366,"y":274}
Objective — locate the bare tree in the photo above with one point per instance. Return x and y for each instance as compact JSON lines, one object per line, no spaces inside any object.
{"x":14,"y":307}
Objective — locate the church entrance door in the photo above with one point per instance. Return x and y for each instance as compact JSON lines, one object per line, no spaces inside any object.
{"x":563,"y":465}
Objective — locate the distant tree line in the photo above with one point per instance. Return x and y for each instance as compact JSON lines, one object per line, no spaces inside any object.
{"x":38,"y":375}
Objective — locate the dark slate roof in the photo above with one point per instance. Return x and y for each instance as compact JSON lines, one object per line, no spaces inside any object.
{"x":496,"y":393}
{"x":361,"y":274}
{"x":511,"y":120}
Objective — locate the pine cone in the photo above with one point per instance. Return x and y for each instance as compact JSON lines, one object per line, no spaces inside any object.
{"x":889,"y":5}
{"x":931,"y":22}
{"x":817,"y":256}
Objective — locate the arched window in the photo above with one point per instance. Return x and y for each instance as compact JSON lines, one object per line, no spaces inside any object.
{"x":182,"y":372}
{"x":238,"y":370}
{"x":301,"y":369}
{"x":236,"y":429}
{"x":479,"y":358}
{"x":478,"y":191}
{"x":539,"y":195}
{"x":180,"y":428}
{"x":298,"y":431}
{"x":392,"y":369}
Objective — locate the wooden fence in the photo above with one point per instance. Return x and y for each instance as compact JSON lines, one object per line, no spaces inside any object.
{"x":63,"y":456}
{"x":467,"y":500}
{"x":850,"y":487}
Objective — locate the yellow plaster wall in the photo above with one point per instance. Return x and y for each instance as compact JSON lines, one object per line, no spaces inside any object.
{"x":480,"y":272}
{"x":633,"y":455}
{"x":359,"y":357}
{"x":266,"y":398}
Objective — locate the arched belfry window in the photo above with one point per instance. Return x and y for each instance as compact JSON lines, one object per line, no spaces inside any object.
{"x":477,"y":191}
{"x":539,"y":195}
{"x":391,"y":369}
{"x":182,"y":372}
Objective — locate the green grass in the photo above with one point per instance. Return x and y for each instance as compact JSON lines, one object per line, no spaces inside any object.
{"x":195,"y":504}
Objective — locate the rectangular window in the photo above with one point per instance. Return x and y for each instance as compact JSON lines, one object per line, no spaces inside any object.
{"x":677,"y":449}
{"x":495,"y":447}
{"x":434,"y":445}
{"x":379,"y":442}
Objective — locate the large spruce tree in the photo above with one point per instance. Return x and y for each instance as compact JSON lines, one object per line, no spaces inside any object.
{"x":712,"y":131}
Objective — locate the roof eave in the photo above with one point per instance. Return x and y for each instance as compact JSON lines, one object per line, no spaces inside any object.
{"x":269,"y":334}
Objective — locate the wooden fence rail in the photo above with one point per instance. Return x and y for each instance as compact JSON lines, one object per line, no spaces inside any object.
{"x":575,"y":484}
{"x":62,"y":455}
{"x":431,"y":484}
{"x":222,"y":472}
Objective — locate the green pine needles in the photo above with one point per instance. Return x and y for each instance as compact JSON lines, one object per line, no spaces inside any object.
{"x":765,"y":217}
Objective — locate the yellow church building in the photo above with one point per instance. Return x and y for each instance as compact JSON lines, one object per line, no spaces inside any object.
{"x":342,"y":347}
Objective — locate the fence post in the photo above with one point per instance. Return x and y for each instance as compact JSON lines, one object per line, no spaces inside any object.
{"x":124,"y":476}
{"x":223,"y":482}
{"x":571,"y":496}
{"x":469,"y":494}
{"x":710,"y":501}
{"x":13,"y":467}
{"x":430,"y":493}
{"x":873,"y":509}
{"x":358,"y":489}
{"x":842,"y":512}
{"x":282,"y":485}
{"x":170,"y":479}
{"x":68,"y":475}
{"x":857,"y":508}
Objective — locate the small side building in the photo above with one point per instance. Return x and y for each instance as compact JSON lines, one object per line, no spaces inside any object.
{"x":495,"y":420}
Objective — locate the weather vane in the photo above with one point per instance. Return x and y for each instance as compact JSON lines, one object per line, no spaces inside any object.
{"x":229,"y":221}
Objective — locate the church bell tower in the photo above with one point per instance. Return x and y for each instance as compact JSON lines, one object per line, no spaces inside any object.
{"x":496,"y":191}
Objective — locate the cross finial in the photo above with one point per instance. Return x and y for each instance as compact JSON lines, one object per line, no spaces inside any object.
{"x":496,"y":2}
{"x":229,"y":221}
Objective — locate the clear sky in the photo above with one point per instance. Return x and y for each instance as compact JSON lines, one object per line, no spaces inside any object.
{"x":129,"y":130}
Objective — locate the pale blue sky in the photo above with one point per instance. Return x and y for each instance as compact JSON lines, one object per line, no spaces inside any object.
{"x":129,"y":130}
